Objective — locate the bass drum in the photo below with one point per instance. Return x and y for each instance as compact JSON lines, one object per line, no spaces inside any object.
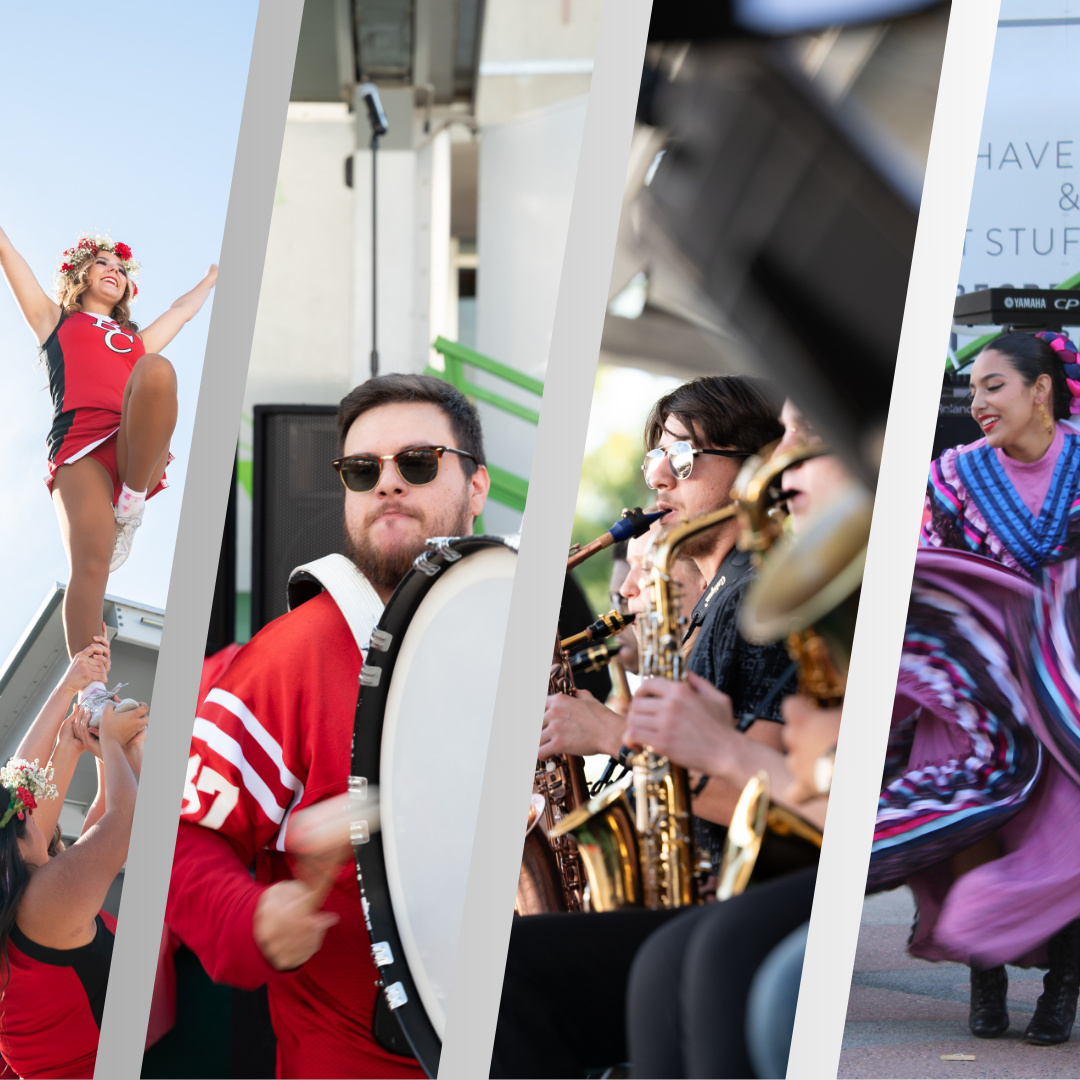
{"x":423,"y":718}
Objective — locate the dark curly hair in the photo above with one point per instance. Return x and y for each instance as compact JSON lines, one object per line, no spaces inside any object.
{"x":720,"y":410}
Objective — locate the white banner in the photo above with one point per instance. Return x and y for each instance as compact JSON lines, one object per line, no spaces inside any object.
{"x":1024,"y":223}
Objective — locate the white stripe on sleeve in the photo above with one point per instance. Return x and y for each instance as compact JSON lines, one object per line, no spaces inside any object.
{"x":230,"y":750}
{"x":273,"y":750}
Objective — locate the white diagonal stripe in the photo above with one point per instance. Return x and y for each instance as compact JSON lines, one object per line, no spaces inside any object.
{"x":230,"y":750}
{"x":250,"y":721}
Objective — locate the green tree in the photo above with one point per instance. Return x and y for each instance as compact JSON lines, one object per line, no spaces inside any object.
{"x":611,"y":481}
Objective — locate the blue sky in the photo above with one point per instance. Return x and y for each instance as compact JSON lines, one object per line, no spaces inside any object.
{"x":122,"y":119}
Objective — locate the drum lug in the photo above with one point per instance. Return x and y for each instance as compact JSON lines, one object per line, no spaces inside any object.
{"x":442,"y":545}
{"x":381,"y":954}
{"x":381,"y":640}
{"x":424,"y":564}
{"x":396,"y":996}
{"x":359,"y":832}
{"x":370,"y":676}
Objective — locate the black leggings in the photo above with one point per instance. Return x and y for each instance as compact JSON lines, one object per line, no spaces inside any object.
{"x":574,"y":983}
{"x":686,"y":1003}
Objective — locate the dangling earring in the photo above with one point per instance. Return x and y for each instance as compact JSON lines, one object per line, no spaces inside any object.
{"x":1047,"y":421}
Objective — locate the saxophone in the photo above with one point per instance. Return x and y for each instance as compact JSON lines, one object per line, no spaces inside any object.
{"x":561,"y":781}
{"x":643,"y":855}
{"x":552,"y":876}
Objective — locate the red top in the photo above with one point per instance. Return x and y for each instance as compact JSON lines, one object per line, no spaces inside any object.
{"x":52,"y":1004}
{"x":273,"y":736}
{"x":89,"y":359}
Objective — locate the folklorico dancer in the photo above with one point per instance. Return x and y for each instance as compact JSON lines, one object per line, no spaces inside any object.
{"x":114,"y":411}
{"x":981,"y":802}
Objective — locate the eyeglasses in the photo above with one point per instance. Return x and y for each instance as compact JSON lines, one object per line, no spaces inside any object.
{"x":417,"y":466}
{"x":680,"y":456}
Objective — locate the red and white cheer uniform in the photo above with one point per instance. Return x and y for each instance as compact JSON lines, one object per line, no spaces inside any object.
{"x":89,"y":359}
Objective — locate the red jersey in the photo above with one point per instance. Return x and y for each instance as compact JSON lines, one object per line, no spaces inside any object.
{"x":89,"y":359}
{"x":51,"y":1013}
{"x":273,"y":736}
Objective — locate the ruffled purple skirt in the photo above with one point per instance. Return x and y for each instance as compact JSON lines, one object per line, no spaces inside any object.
{"x":979,"y":697}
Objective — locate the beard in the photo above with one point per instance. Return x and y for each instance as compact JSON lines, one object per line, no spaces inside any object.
{"x":385,"y":566}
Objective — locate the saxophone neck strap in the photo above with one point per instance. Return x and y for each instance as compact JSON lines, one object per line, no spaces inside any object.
{"x":734,"y":564}
{"x":354,"y":595}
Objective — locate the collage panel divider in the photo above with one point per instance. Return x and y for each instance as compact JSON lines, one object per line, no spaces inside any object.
{"x":545,"y":535}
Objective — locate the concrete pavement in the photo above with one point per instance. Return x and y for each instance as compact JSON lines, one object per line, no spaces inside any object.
{"x":903,"y":1013}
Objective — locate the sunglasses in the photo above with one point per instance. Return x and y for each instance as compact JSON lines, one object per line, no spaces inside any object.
{"x":417,"y":466}
{"x":680,"y":456}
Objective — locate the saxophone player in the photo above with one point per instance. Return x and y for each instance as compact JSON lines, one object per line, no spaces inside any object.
{"x":732,"y":1022}
{"x":698,"y":436}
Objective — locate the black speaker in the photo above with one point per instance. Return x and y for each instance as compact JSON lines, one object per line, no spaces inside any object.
{"x":298,"y":500}
{"x":222,"y":628}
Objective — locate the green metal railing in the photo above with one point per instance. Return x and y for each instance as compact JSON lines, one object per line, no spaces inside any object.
{"x":969,"y":351}
{"x":506,"y":488}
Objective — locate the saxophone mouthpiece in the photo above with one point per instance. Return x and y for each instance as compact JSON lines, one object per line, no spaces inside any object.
{"x":634,"y":523}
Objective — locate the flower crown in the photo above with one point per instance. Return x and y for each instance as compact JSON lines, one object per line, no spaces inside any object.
{"x":1070,"y":360}
{"x":89,"y":247}
{"x":25,"y":783}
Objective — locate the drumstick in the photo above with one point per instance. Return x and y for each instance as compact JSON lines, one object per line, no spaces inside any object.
{"x":319,"y":836}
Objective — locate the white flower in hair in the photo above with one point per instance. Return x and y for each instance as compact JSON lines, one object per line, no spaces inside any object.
{"x":25,"y":782}
{"x":89,"y":246}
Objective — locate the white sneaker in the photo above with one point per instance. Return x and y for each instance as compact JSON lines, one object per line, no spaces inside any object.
{"x":97,"y":700}
{"x":125,"y":534}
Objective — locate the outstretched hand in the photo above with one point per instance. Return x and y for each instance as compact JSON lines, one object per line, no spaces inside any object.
{"x":211,"y":275}
{"x":89,"y":665}
{"x":124,"y":727}
{"x":82,"y":732}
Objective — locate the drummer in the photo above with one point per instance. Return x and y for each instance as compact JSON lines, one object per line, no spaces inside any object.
{"x":274,"y":736}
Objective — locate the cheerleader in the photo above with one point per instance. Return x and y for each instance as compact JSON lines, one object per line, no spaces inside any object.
{"x":114,"y":411}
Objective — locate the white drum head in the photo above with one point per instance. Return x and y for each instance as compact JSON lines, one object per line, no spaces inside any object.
{"x":435,"y":737}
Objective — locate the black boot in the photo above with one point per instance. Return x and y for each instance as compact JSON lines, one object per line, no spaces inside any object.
{"x":1056,"y":1008}
{"x":988,"y":1018}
